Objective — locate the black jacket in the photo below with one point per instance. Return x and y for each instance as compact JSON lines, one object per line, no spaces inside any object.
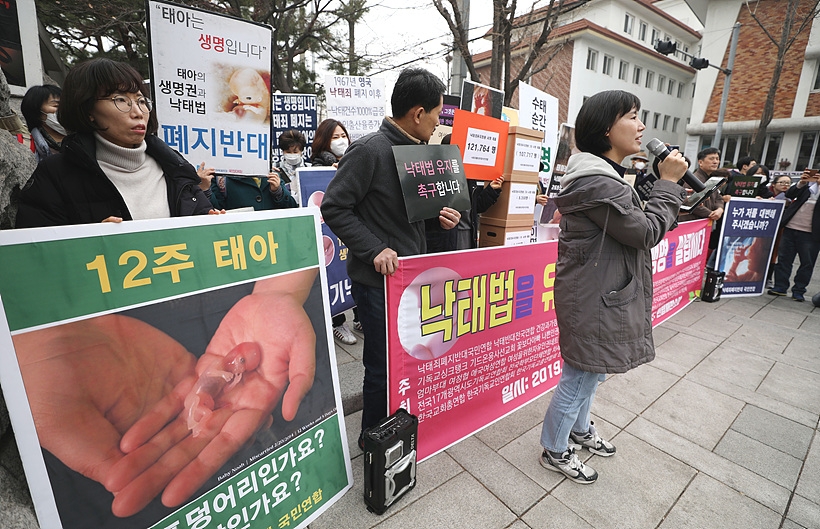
{"x":324,"y":158}
{"x":71,"y":188}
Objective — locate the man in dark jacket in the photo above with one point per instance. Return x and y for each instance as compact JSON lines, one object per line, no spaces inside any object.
{"x":801,"y":237}
{"x":363,"y":205}
{"x":712,"y":207}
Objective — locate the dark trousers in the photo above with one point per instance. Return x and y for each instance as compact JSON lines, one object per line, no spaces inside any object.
{"x":372,"y":315}
{"x":800,"y":244}
{"x":341,"y":317}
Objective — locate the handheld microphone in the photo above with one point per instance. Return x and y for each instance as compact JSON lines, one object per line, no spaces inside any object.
{"x":659,"y":149}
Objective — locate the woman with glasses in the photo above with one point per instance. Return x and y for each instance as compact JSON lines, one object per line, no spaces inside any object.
{"x":776,"y":189}
{"x":779,"y":188}
{"x":109,"y":169}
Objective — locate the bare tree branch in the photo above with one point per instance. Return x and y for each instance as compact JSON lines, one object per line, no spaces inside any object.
{"x":457,"y":28}
{"x":788,"y":35}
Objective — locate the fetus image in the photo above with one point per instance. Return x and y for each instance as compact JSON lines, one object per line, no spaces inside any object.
{"x":481,"y":101}
{"x":219,"y":377}
{"x":249,"y":95}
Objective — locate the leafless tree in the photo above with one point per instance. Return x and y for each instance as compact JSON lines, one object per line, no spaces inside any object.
{"x":799,"y":17}
{"x":511,"y":35}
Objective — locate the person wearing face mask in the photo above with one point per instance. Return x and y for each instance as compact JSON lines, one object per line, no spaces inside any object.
{"x":39,"y":108}
{"x":292,"y":143}
{"x":639,"y":161}
{"x":330,"y":143}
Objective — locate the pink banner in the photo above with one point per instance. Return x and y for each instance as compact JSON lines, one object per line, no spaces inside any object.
{"x":677,"y":268}
{"x":472,"y":337}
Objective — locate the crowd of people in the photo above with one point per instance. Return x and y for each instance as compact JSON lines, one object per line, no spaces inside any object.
{"x":100,"y":162}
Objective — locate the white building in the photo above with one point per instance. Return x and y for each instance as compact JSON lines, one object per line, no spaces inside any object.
{"x":608,"y":44}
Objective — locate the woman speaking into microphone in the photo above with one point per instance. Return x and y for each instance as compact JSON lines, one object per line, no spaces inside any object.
{"x":603,"y":277}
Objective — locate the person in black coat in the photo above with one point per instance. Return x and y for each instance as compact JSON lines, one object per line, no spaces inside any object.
{"x":109,"y":169}
{"x":801,"y":237}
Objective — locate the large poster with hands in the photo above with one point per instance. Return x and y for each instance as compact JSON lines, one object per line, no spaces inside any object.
{"x":173,"y":373}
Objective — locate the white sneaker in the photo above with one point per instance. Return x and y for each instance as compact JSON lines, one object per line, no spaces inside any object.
{"x":569,"y":465}
{"x":592,"y":441}
{"x":344,"y":335}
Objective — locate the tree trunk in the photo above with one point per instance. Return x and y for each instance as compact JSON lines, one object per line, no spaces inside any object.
{"x":759,"y":137}
{"x":353,"y":67}
{"x":497,"y":56}
{"x":507,"y":25}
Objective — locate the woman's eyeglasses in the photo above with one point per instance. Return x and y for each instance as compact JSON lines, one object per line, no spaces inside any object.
{"x":124,"y":104}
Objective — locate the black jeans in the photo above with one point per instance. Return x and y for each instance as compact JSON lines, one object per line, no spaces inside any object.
{"x":372,"y":315}
{"x":793,"y":244}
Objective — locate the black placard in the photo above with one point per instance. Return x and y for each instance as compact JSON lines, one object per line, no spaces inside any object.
{"x":431,"y":177}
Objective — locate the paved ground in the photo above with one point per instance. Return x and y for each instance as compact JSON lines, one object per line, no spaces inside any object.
{"x":720,"y":431}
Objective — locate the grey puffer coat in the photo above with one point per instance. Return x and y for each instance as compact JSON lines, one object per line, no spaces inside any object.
{"x":603,"y":278}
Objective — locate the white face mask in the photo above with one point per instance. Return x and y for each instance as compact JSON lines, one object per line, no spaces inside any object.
{"x":292,"y":158}
{"x":640,"y":166}
{"x":53,"y":124}
{"x":339,"y":146}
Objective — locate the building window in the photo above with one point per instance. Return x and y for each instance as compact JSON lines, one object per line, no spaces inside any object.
{"x":666,"y":122}
{"x":656,"y":34}
{"x":731,"y":147}
{"x":675,"y":123}
{"x":661,"y":82}
{"x":629,"y":21}
{"x":680,"y":90}
{"x":644,"y":116}
{"x":650,"y":78}
{"x":607,"y":66}
{"x":623,"y":71}
{"x":642,"y":28}
{"x":670,"y":89}
{"x":807,"y":153}
{"x":656,"y":119}
{"x":771,"y":151}
{"x":817,"y":78}
{"x":592,"y":59}
{"x":636,"y":75}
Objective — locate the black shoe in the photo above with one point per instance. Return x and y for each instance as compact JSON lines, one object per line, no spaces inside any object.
{"x":773,"y":292}
{"x":361,"y":443}
{"x":797,"y":296}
